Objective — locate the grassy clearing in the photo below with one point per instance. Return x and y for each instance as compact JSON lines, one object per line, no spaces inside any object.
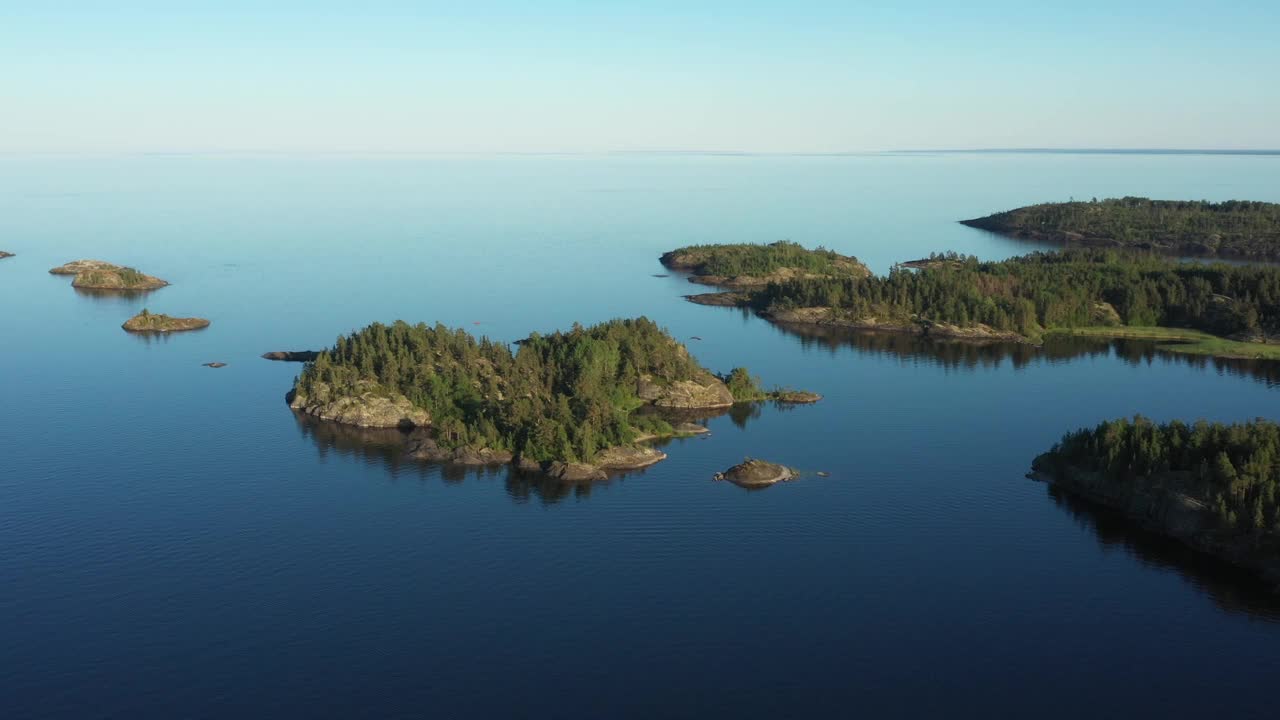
{"x":1191,"y":342}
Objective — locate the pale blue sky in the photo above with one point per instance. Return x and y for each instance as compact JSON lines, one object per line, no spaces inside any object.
{"x":560,"y":76}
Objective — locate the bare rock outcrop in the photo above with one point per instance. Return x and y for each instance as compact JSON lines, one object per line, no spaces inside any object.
{"x":752,"y":473}
{"x":705,"y":392}
{"x":628,"y":457}
{"x":423,"y":447}
{"x":574,"y":472}
{"x":75,"y":267}
{"x":367,"y":407}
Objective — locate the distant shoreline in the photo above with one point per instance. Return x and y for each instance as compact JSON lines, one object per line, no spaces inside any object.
{"x":1092,"y":151}
{"x":725,"y":153}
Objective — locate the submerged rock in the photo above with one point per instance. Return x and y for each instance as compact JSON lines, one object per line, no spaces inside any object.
{"x":146,"y":321}
{"x":757,"y":473}
{"x":691,"y":428}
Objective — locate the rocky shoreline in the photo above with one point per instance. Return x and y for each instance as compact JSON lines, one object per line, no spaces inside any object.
{"x":374,"y":409}
{"x":828,"y":317}
{"x":834,"y":318}
{"x":753,"y":281}
{"x":1160,"y":507}
{"x":418,"y":444}
{"x":721,"y":299}
{"x":1068,"y":238}
{"x":1074,"y":239}
{"x":1105,"y":317}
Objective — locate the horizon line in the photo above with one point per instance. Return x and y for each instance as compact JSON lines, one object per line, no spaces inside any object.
{"x":702,"y":152}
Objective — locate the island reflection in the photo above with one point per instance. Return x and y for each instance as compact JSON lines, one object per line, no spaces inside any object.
{"x":386,"y":447}
{"x":1232,"y":589}
{"x":113,"y":297}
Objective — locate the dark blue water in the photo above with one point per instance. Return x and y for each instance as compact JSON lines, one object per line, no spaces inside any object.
{"x":177,"y":544}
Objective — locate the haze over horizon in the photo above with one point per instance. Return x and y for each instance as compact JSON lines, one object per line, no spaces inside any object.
{"x":498,"y":77}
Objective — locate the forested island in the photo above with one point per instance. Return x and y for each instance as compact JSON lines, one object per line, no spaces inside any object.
{"x":1235,"y":228}
{"x":1219,"y":309}
{"x":572,"y":404}
{"x":102,"y":275}
{"x":147,"y":321}
{"x":1212,"y":486}
{"x":746,"y":265}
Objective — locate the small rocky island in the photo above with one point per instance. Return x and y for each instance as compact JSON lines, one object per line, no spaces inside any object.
{"x":1221,"y":310}
{"x":1212,"y":487}
{"x":1235,"y":228}
{"x":291,"y":355}
{"x":746,"y":265}
{"x":4,"y":254}
{"x":102,"y":275}
{"x":149,"y":322}
{"x":747,"y":388}
{"x":753,"y":474}
{"x":573,"y":405}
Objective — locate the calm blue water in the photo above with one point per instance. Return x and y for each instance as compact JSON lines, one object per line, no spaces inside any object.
{"x":175,"y":543}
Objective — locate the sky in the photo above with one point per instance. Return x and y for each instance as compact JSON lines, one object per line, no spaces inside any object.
{"x":557,"y":76}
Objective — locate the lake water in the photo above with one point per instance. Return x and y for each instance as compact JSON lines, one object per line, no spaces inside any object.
{"x":177,"y":544}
